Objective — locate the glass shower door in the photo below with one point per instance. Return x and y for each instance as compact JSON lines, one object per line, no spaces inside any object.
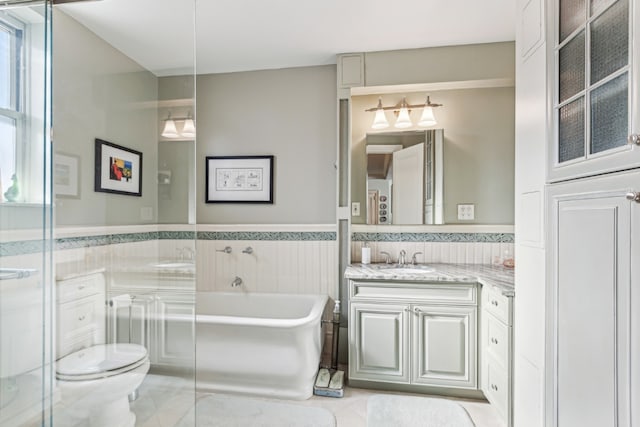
{"x":26,"y":385}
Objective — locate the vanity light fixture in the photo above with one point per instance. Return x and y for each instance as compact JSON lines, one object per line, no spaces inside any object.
{"x":380,"y":120}
{"x":402,"y":111}
{"x":403,"y":121}
{"x":170,"y":130}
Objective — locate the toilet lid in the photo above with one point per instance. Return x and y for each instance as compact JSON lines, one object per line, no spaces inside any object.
{"x":101,"y":359}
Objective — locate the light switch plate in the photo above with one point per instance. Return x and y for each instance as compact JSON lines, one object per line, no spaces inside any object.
{"x":466,"y":212}
{"x":355,"y":209}
{"x":146,"y":213}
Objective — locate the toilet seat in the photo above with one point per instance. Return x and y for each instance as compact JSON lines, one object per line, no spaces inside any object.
{"x":100,"y":361}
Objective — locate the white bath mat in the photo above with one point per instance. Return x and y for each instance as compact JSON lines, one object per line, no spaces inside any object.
{"x":231,"y":411}
{"x":409,"y":411}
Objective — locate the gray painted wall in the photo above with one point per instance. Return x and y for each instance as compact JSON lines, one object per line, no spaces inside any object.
{"x":101,"y":93}
{"x":288,"y":113}
{"x":441,"y":64}
{"x":479,"y":130}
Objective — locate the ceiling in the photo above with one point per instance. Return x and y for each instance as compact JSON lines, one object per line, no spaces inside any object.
{"x":242,"y":35}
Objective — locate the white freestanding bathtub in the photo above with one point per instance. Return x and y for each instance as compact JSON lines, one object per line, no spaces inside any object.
{"x":258,"y":344}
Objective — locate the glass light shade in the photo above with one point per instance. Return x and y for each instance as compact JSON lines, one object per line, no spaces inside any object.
{"x":380,"y":120}
{"x":189,"y":129}
{"x":170,"y":130}
{"x":427,"y":118}
{"x":403,"y":120}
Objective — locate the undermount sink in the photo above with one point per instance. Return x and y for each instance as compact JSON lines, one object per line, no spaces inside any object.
{"x":173,"y":264}
{"x":404,"y":268}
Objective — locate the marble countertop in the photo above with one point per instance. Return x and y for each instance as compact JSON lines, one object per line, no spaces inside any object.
{"x":488,"y":275}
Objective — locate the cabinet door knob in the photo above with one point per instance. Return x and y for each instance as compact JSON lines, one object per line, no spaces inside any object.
{"x":633,"y":196}
{"x":494,"y":387}
{"x":416,"y":310}
{"x":634,"y":138}
{"x":493,"y":340}
{"x":494,"y":302}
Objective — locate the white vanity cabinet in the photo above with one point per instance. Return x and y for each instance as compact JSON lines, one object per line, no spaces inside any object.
{"x":175,"y":329}
{"x":497,"y":351}
{"x":131,"y":320}
{"x":415,"y":333}
{"x":154,"y":310}
{"x":80,"y":312}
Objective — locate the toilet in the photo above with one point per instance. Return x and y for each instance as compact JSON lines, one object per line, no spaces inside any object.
{"x":95,"y":379}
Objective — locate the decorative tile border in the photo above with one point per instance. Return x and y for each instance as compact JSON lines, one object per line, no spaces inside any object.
{"x":176,"y":235}
{"x":434,"y":237}
{"x":35,"y":246}
{"x":24,"y":247}
{"x":269,"y":235}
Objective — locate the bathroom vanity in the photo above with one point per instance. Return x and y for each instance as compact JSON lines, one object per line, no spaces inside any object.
{"x":153,"y":304}
{"x":439,"y":329}
{"x":150,"y":303}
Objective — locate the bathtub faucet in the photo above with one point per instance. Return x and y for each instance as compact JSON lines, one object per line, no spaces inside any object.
{"x":247,"y":250}
{"x":236,"y":282}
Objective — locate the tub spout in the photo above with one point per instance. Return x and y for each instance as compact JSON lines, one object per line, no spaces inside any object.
{"x":236,"y":282}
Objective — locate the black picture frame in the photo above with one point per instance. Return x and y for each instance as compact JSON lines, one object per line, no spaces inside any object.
{"x":239,"y":179}
{"x":118,"y":169}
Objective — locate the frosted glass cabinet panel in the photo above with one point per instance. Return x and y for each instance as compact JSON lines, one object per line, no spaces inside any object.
{"x":594,"y":109}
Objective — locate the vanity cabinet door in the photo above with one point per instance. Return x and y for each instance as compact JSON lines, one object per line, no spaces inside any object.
{"x":444,"y":346}
{"x":591,"y":301}
{"x":175,"y":330}
{"x":379,"y":335}
{"x":132,"y":323}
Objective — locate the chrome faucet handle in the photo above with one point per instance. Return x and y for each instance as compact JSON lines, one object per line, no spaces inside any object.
{"x":414,"y":259}
{"x":402,"y":258}
{"x":226,"y":250}
{"x":387,"y":257}
{"x":188,"y":253}
{"x":247,"y":250}
{"x":236,"y":282}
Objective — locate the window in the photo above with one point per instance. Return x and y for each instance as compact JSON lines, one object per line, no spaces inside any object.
{"x":592,"y":78}
{"x":11,"y":97}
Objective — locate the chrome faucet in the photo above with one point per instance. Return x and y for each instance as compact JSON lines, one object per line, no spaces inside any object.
{"x":236,"y":282}
{"x":387,"y":257}
{"x":402,"y":258}
{"x":248,"y":250}
{"x":187,"y":253}
{"x":414,"y":259}
{"x":226,"y":250}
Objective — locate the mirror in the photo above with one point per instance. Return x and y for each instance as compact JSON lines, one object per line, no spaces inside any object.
{"x":466,"y":163}
{"x":404,"y":177}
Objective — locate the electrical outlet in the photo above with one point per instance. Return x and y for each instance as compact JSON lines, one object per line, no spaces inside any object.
{"x":466,"y":212}
{"x":355,"y":209}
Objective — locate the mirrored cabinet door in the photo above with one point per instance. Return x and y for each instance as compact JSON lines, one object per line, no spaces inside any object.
{"x":594,"y":107}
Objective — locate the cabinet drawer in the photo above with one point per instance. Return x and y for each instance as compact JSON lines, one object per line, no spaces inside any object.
{"x":80,"y":322}
{"x":498,"y":339}
{"x":464,"y":293}
{"x":497,"y":390}
{"x":80,"y":287}
{"x":497,"y":304}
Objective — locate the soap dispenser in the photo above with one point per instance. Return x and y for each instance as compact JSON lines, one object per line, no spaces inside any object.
{"x":366,"y":253}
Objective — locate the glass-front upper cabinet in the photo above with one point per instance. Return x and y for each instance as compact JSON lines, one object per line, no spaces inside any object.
{"x":595,"y":82}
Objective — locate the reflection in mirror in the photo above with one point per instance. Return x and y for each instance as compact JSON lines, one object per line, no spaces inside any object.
{"x":469,"y":164}
{"x":404,"y":178}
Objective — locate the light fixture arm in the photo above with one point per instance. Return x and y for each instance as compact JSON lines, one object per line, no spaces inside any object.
{"x":409,"y":106}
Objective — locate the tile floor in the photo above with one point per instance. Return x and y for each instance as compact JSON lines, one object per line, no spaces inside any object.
{"x":164,"y":401}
